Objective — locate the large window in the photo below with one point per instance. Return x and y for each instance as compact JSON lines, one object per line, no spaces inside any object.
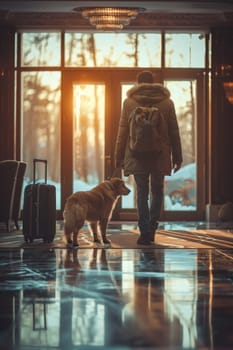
{"x":42,"y":64}
{"x":41,"y":49}
{"x":185,"y":50}
{"x":40,"y":120}
{"x":112,"y":50}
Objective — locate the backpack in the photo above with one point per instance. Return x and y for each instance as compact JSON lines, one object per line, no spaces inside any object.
{"x":147,"y":131}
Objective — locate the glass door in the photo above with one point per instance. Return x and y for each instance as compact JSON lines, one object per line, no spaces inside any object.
{"x":85,"y":121}
{"x":88,"y":135}
{"x":184,"y":190}
{"x":92,"y":104}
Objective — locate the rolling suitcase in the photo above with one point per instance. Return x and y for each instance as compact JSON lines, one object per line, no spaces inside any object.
{"x":39,"y":209}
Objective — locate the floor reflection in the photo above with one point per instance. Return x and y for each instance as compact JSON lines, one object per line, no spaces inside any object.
{"x":116,"y":299}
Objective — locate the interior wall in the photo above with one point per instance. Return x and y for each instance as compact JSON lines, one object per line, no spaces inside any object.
{"x":222,"y":117}
{"x":7,"y":149}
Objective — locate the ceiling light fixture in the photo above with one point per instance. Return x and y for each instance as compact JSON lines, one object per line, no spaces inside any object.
{"x":109,"y":18}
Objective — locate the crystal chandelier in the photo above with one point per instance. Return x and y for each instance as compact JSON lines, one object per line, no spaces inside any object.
{"x":109,"y":18}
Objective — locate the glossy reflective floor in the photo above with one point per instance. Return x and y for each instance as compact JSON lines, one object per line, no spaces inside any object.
{"x":116,"y":298}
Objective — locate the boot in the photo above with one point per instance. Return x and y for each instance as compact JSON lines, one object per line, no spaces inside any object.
{"x":153,"y":232}
{"x":144,"y":239}
{"x":152,"y":236}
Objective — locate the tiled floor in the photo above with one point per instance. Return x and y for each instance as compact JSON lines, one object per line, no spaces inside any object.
{"x":117,"y":299}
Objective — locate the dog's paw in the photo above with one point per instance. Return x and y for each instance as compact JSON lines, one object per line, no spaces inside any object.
{"x":69,"y":243}
{"x":97,"y":240}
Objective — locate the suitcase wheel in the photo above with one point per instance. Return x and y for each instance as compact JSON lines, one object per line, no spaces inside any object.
{"x":47,"y":240}
{"x":28,"y":240}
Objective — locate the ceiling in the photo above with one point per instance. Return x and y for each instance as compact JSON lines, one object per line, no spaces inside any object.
{"x":60,"y":14}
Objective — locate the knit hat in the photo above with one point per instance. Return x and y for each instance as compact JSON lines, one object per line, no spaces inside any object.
{"x":145,"y":77}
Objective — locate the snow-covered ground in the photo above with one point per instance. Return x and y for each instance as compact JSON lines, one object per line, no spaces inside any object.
{"x":177,"y":180}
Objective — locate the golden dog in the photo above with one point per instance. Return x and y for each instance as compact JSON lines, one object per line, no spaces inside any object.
{"x":94,"y":206}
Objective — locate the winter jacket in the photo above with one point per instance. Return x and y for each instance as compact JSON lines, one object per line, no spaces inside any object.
{"x":146,"y":94}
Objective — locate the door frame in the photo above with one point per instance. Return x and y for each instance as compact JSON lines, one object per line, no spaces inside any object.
{"x":113,"y":78}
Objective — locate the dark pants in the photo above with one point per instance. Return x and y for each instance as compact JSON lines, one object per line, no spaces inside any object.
{"x":149,"y":209}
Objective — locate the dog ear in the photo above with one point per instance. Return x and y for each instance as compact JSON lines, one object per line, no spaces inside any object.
{"x":116,"y":181}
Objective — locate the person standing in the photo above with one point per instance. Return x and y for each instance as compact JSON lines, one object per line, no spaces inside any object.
{"x":149,"y":172}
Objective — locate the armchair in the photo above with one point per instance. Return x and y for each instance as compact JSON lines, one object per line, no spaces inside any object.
{"x":11,"y":181}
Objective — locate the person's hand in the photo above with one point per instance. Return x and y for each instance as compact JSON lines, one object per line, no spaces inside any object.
{"x":119,"y":164}
{"x":176,"y":167}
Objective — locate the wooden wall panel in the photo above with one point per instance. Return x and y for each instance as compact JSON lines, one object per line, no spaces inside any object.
{"x":222,"y":118}
{"x":7,"y":143}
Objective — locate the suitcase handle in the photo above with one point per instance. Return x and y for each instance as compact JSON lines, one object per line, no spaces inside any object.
{"x":36,"y":160}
